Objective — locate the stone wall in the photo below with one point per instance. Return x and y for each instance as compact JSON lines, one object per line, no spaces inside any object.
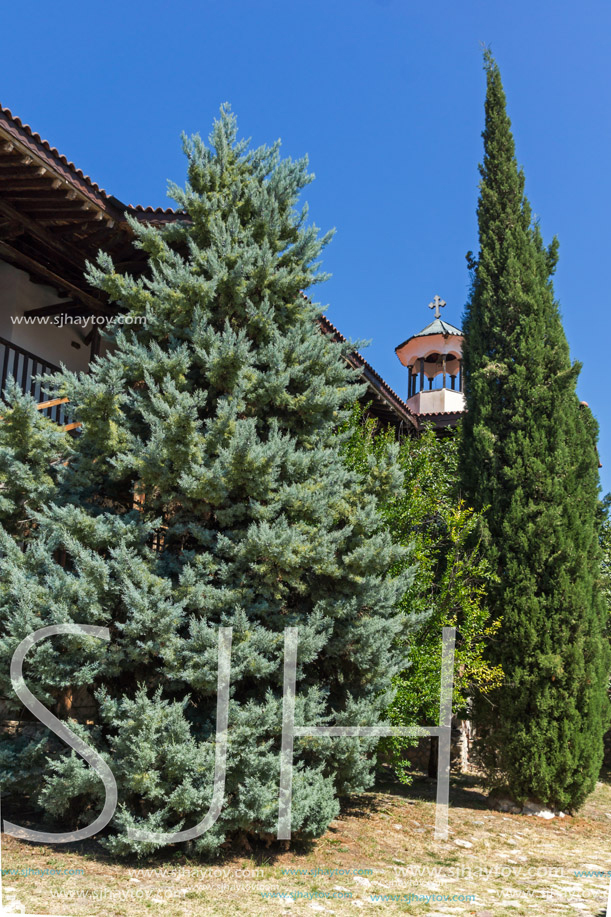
{"x":462,"y":757}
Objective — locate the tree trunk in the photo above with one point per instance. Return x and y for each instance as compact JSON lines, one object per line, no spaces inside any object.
{"x":433,"y":756}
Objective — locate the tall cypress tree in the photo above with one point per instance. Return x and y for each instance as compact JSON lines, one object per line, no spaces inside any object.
{"x":208,"y":489}
{"x":529,"y":454}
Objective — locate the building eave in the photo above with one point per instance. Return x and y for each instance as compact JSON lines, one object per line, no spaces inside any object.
{"x":54,"y":218}
{"x":395,"y":406}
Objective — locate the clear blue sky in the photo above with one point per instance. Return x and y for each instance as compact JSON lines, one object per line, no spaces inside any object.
{"x":386,"y":97}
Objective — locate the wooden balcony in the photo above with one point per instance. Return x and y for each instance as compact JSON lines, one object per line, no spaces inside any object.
{"x":24,"y":366}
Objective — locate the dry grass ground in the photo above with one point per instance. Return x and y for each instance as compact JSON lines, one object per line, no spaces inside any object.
{"x":381,"y":850}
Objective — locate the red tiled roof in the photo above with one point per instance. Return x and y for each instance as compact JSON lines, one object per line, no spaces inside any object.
{"x":16,"y":132}
{"x":25,"y":133}
{"x":47,"y":146}
{"x":141,"y":209}
{"x":437,"y":413}
{"x":374,"y":378}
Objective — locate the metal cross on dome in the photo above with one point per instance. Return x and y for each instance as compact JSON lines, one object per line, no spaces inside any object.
{"x":437,"y":304}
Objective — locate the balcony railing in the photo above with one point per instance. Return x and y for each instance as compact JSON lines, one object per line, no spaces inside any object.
{"x":24,"y":366}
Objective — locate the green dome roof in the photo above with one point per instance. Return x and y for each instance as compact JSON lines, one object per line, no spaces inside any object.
{"x":438,"y":326}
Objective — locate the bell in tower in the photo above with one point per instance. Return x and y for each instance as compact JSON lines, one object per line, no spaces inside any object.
{"x":433,"y":358}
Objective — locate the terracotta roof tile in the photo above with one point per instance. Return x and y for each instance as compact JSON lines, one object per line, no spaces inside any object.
{"x":45,"y":145}
{"x":362,"y":363}
{"x":15,"y":128}
{"x":50,"y":149}
{"x":438,"y":413}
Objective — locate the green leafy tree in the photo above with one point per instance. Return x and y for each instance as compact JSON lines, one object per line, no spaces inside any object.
{"x":529,"y":455}
{"x":450,"y":577}
{"x":207,"y":488}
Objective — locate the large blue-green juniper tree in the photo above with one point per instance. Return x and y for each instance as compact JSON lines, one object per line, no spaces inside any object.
{"x":206,"y":488}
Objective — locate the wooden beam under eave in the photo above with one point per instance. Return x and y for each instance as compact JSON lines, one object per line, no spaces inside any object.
{"x":35,"y":153}
{"x":9,"y":185}
{"x":48,"y":219}
{"x":9,"y":230}
{"x":14,"y":162}
{"x":69,"y":306}
{"x":54,"y":204}
{"x":21,"y":173}
{"x":39,"y":192}
{"x":95,"y":344}
{"x":105,"y":238}
{"x":40,"y":233}
{"x":14,"y":256}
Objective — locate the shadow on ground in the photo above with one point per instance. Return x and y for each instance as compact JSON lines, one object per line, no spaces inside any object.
{"x":463,"y":791}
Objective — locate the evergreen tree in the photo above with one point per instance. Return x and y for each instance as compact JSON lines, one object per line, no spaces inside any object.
{"x":30,"y":448}
{"x":529,"y":454}
{"x":207,"y":488}
{"x":605,"y":545}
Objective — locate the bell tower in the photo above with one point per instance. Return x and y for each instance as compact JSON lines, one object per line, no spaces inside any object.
{"x":433,"y":358}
